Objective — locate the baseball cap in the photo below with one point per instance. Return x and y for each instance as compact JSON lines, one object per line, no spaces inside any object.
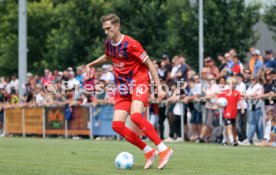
{"x":256,"y":52}
{"x":165,"y":56}
{"x":269,"y":51}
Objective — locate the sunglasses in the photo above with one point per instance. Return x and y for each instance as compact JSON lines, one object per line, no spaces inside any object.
{"x":268,"y":74}
{"x":247,"y":72}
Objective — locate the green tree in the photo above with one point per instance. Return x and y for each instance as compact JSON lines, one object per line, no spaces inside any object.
{"x":270,"y":18}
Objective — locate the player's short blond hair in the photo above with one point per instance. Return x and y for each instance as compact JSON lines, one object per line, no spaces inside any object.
{"x":111,"y":17}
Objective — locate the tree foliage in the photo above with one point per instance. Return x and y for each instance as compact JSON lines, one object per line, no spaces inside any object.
{"x":270,"y":18}
{"x":65,"y":33}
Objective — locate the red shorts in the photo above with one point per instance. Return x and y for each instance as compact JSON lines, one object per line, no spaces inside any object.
{"x":140,"y":92}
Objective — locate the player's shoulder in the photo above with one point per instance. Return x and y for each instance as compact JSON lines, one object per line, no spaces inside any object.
{"x":131,"y":40}
{"x":107,"y":42}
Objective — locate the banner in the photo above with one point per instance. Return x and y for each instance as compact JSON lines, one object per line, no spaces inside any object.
{"x":33,"y":120}
{"x":78,"y":124}
{"x":13,"y":121}
{"x":54,"y":120}
{"x":102,"y":117}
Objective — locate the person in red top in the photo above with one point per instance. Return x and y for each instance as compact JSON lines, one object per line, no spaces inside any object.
{"x":130,"y":66}
{"x":233,"y":97}
{"x":236,"y":69}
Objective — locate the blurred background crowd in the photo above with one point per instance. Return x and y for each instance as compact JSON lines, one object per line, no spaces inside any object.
{"x":256,"y":81}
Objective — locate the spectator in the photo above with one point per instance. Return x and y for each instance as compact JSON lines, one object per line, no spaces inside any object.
{"x":73,"y":82}
{"x":28,"y":96}
{"x":176,"y":65}
{"x":31,"y":80}
{"x":170,"y":103}
{"x":47,"y":77}
{"x":107,"y":75}
{"x":236,"y":69}
{"x":196,"y":115}
{"x":258,"y":63}
{"x":223,"y":64}
{"x":13,"y":84}
{"x":79,"y":76}
{"x":247,"y":76}
{"x":241,"y":117}
{"x":214,"y":70}
{"x":211,"y":109}
{"x":270,"y":61}
{"x":229,"y":61}
{"x":165,"y":70}
{"x":182,"y":72}
{"x":253,"y":94}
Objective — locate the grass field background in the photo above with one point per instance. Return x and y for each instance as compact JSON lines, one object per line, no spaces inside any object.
{"x":35,"y":156}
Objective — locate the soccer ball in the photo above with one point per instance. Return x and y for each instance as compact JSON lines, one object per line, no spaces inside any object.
{"x":124,"y":160}
{"x":222,"y":101}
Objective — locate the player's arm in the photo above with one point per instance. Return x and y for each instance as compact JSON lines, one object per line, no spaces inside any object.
{"x":100,"y":60}
{"x":155,"y":77}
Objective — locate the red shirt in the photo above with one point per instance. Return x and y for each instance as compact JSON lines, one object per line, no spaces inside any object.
{"x":127,"y":57}
{"x":232,"y":97}
{"x":236,"y":68}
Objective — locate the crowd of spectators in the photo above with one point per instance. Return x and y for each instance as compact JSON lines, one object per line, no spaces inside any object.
{"x":194,"y":98}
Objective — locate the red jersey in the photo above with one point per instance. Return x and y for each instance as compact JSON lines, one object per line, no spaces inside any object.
{"x":127,"y":57}
{"x":232,"y":97}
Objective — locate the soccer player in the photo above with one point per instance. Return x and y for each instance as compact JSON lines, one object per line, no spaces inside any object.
{"x":233,"y":97}
{"x":131,"y":65}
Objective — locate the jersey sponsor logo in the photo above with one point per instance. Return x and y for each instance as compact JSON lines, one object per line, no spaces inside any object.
{"x":119,"y":65}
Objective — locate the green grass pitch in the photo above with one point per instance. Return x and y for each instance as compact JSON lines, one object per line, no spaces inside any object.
{"x":35,"y":156}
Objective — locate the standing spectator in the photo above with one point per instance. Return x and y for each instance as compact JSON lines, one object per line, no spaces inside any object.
{"x":2,"y":102}
{"x":28,"y":96}
{"x":47,"y":77}
{"x":270,"y":61}
{"x":229,"y":61}
{"x":236,"y":69}
{"x":211,"y":109}
{"x":223,"y":64}
{"x":213,"y":68}
{"x":79,"y":76}
{"x":196,"y":118}
{"x":255,"y":120}
{"x":247,"y":76}
{"x":182,"y":72}
{"x":73,"y":82}
{"x":164,"y":70}
{"x":258,"y":63}
{"x":13,"y":84}
{"x":241,"y":117}
{"x":107,"y":76}
{"x":176,"y":66}
{"x":252,"y":60}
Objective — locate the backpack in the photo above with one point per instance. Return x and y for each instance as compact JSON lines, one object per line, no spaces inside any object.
{"x":217,"y":134}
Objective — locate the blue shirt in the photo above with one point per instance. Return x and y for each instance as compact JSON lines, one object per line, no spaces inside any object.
{"x":257,"y":67}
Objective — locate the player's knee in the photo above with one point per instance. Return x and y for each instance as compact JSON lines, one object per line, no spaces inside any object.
{"x":135,"y":117}
{"x":117,"y":126}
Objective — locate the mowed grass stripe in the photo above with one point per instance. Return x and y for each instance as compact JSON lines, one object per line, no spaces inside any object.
{"x":20,"y":156}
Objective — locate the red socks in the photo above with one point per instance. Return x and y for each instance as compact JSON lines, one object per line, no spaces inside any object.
{"x":130,"y":136}
{"x":147,"y":128}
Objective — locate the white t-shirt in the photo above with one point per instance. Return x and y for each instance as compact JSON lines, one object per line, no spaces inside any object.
{"x":242,"y":89}
{"x":257,"y":89}
{"x":108,"y":76}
